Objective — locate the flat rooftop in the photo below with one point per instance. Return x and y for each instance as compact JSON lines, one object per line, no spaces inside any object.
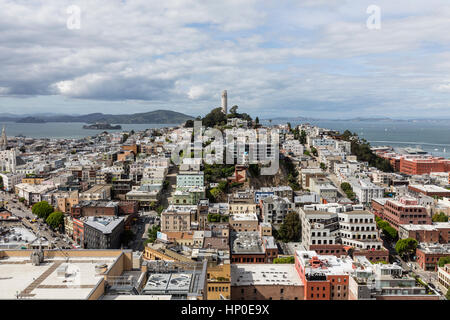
{"x":244,"y":217}
{"x":264,"y":274}
{"x":20,"y":277}
{"x":429,"y":188}
{"x":246,"y":242}
{"x":429,"y":227}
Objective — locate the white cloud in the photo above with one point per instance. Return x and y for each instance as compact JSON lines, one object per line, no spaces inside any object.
{"x":268,"y":55}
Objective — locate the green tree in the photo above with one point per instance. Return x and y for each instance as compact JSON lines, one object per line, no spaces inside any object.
{"x":406,"y":247}
{"x":443,"y":261}
{"x":233,"y":110}
{"x":56,"y":220}
{"x":290,"y":228}
{"x":254,"y":170}
{"x":447,"y":295}
{"x":388,"y":231}
{"x":22,"y":199}
{"x":189,"y":124}
{"x":303,"y":137}
{"x":347,"y":188}
{"x":153,"y":233}
{"x":160,"y":209}
{"x":284,"y":260}
{"x":323,"y":166}
{"x":314,"y":151}
{"x":215,"y":117}
{"x":215,"y":193}
{"x":42,"y":209}
{"x":361,"y":148}
{"x":1,"y":183}
{"x":440,"y":217}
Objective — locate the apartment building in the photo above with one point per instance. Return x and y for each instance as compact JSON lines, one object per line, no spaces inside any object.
{"x":177,"y":218}
{"x":334,"y":229}
{"x":366,"y":190}
{"x":429,"y":254}
{"x":444,"y":276}
{"x":10,"y":180}
{"x":405,"y":210}
{"x":103,"y":232}
{"x":97,"y":192}
{"x":251,"y":247}
{"x":274,"y":209}
{"x":437,"y":232}
{"x":325,"y":277}
{"x":244,"y":222}
{"x":323,"y":187}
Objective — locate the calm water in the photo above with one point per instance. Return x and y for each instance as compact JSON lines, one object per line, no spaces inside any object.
{"x":66,"y":130}
{"x":433,"y":137}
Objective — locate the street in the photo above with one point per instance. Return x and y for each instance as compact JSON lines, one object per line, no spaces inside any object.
{"x":18,"y":209}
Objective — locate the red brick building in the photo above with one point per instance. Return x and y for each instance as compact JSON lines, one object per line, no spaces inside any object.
{"x":95,"y":208}
{"x":428,"y":255}
{"x":402,"y":211}
{"x":324,"y":277}
{"x":128,"y":207}
{"x":429,"y":190}
{"x":413,"y":166}
{"x":78,"y":231}
{"x":250,"y":247}
{"x":434,"y":233}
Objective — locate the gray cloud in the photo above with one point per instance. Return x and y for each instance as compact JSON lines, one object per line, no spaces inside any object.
{"x":309,"y":58}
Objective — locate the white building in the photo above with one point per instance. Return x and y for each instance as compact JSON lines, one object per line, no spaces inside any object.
{"x":366,"y":190}
{"x":10,"y":180}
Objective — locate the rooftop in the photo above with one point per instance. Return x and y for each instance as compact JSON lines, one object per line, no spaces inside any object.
{"x":429,"y":188}
{"x":54,"y":278}
{"x":264,"y":274}
{"x":104,"y":224}
{"x":246,"y":242}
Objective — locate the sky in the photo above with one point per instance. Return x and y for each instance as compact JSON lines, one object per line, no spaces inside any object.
{"x":308,"y":58}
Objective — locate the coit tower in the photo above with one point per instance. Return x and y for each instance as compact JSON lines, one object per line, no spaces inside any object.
{"x":224,"y":101}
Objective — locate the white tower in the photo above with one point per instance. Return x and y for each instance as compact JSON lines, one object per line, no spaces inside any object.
{"x":4,"y":140}
{"x":224,"y":102}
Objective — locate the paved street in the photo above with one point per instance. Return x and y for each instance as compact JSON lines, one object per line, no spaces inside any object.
{"x":20,"y":210}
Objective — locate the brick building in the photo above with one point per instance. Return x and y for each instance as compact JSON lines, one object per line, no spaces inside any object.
{"x":250,"y":247}
{"x":403,"y":211}
{"x":429,"y":190}
{"x":438,"y":232}
{"x":428,"y":255}
{"x":418,"y":166}
{"x":324,"y":277}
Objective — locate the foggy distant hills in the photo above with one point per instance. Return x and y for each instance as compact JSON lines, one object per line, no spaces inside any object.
{"x":157,"y":116}
{"x":167,"y":117}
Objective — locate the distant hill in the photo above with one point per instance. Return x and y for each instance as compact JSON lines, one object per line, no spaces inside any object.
{"x":30,"y":120}
{"x":157,"y":116}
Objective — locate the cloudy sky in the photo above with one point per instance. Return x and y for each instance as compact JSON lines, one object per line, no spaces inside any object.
{"x":314,"y":58}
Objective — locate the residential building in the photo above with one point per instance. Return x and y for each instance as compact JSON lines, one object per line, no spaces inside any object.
{"x":103,"y":232}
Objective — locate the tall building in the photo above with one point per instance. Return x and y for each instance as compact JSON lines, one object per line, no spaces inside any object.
{"x":224,"y":102}
{"x":4,"y":139}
